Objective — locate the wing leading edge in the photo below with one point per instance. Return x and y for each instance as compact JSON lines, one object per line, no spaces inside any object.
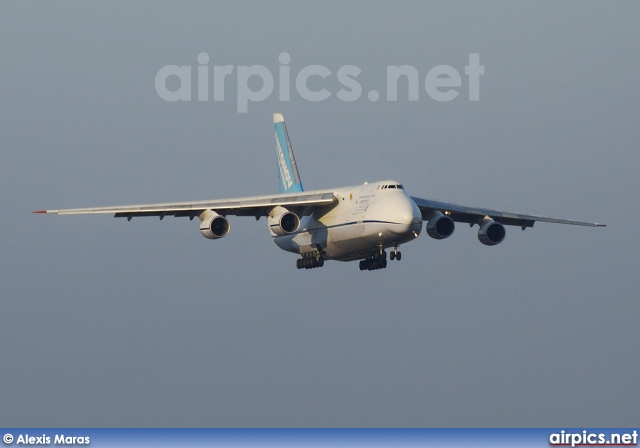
{"x":474,"y":215}
{"x":248,"y":206}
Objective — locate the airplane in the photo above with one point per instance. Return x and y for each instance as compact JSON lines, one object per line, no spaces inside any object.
{"x":343,"y":224}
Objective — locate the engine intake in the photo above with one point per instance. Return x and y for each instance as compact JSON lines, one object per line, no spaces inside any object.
{"x":213,"y":226}
{"x":491,"y":232}
{"x":440,"y":226}
{"x":283,"y":222}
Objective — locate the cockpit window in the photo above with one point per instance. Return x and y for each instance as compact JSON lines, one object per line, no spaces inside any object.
{"x":392,"y":186}
{"x":400,"y":187}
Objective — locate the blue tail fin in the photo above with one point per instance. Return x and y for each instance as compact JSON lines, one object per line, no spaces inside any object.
{"x":287,"y":169}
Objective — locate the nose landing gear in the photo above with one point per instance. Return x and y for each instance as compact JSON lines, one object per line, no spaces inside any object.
{"x":396,"y":254}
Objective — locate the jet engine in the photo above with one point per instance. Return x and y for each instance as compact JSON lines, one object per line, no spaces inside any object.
{"x":440,"y":226}
{"x":283,"y":222}
{"x":213,"y":226}
{"x":491,"y":232}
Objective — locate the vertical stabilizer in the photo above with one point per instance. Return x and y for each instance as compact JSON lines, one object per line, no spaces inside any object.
{"x":287,"y":169}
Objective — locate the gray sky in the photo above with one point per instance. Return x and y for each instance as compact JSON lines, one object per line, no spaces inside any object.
{"x":106,"y":322}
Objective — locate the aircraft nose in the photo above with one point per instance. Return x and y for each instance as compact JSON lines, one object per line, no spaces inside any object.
{"x":408,"y":216}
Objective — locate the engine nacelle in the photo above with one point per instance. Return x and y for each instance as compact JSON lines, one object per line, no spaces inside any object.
{"x":491,"y":232}
{"x":440,"y":226}
{"x":213,"y":226}
{"x":283,"y":222}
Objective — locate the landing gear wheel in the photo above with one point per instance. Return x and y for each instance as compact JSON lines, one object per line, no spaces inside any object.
{"x":398,"y":256}
{"x":374,"y":262}
{"x":392,"y":256}
{"x":310,"y":261}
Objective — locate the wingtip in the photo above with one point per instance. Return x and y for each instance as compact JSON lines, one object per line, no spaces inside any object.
{"x":40,"y":211}
{"x":277,"y":118}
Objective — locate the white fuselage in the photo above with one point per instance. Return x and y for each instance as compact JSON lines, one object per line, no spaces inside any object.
{"x":366,"y":219}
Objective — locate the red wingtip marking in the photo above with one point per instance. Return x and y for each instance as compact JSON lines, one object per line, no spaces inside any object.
{"x":40,"y":211}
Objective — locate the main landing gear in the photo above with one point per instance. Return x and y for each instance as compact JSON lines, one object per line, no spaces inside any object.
{"x":379,"y":260}
{"x":309,"y":261}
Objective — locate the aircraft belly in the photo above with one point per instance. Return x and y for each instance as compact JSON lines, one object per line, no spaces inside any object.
{"x":364,"y":239}
{"x":345,"y":239}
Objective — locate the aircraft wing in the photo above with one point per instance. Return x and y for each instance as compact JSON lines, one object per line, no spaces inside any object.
{"x":473,"y":215}
{"x":248,"y":206}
